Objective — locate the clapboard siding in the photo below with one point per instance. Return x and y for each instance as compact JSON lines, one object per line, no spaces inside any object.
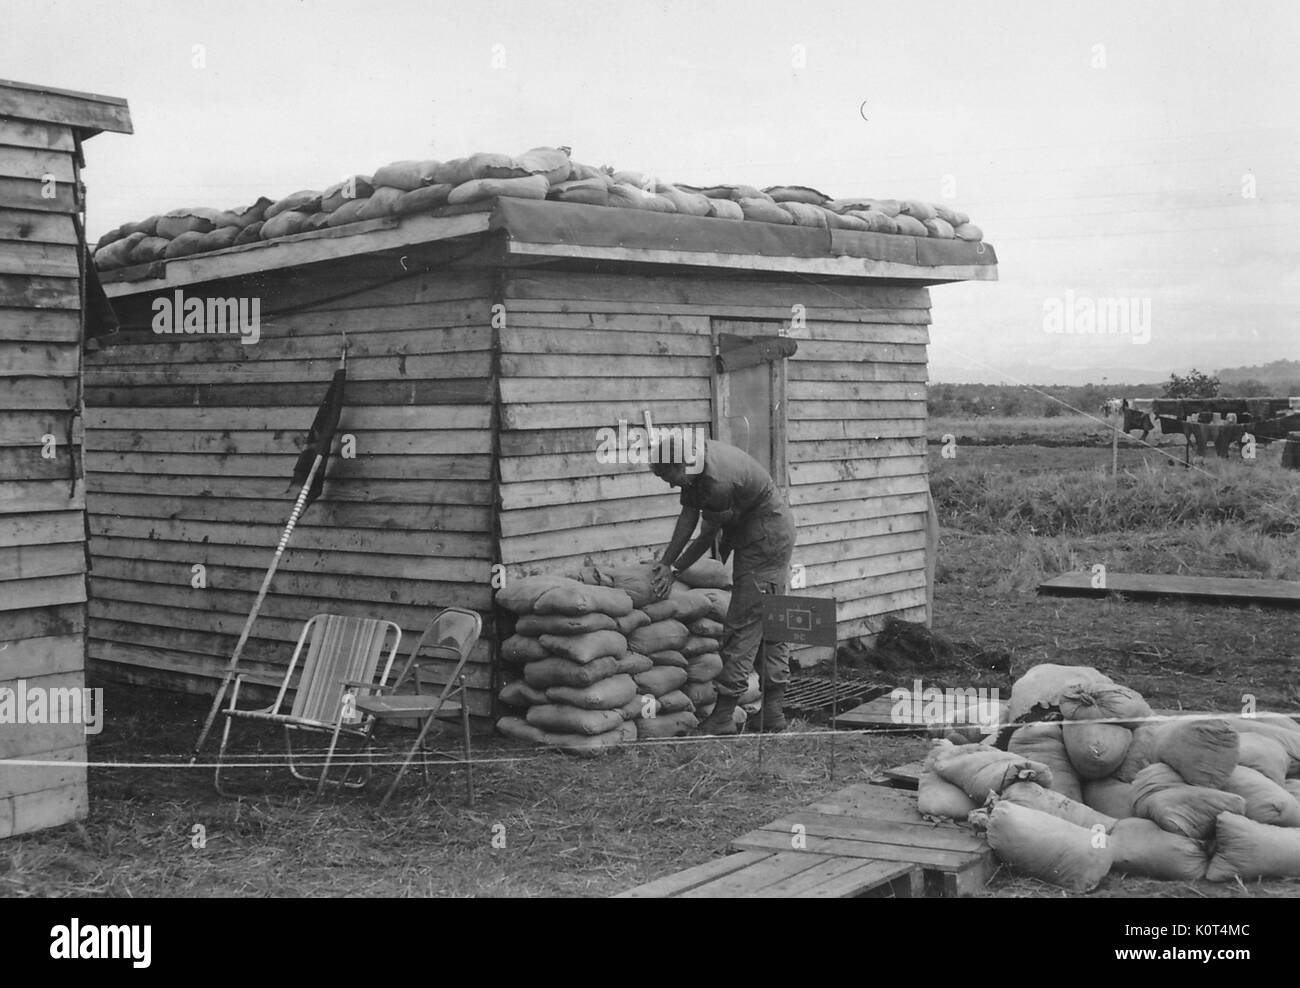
{"x":581,"y":350}
{"x":193,"y":441}
{"x":42,"y":493}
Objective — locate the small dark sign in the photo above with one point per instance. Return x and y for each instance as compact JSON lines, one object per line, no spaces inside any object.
{"x":799,"y":620}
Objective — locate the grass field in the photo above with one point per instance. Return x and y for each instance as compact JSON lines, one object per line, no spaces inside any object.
{"x":1010,"y":514}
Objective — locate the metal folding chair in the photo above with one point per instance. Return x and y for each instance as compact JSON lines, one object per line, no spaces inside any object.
{"x":344,"y":660}
{"x":450,"y":637}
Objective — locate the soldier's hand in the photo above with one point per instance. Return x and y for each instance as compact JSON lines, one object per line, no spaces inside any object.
{"x":661,"y":579}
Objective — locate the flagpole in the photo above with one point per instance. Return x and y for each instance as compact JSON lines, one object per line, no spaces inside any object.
{"x":294,"y":515}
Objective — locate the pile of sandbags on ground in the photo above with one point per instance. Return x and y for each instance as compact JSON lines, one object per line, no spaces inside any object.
{"x":575,"y":690}
{"x":1179,"y":798}
{"x":403,"y":188}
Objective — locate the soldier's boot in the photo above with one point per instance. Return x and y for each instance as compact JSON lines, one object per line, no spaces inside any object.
{"x":723,"y":719}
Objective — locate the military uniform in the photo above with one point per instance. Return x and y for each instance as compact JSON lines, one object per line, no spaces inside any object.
{"x":734,"y":492}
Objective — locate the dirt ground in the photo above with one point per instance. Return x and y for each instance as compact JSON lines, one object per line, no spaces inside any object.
{"x":549,"y":825}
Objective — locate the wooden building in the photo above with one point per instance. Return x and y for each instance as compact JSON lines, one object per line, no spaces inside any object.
{"x":487,"y":347}
{"x":43,"y":320}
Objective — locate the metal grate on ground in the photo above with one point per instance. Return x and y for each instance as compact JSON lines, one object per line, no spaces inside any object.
{"x":818,"y":694}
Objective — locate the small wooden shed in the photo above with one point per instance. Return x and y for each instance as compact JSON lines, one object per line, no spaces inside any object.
{"x":45,"y":285}
{"x":488,"y":344}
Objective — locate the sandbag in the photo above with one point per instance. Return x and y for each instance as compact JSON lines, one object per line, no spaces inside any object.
{"x":606,"y":694}
{"x":1042,"y":685}
{"x":704,"y":668}
{"x":630,"y":621}
{"x":150,"y":249}
{"x":219,"y":239}
{"x":1266,"y":801}
{"x":1246,"y":849}
{"x":304,"y":201}
{"x":250,"y":234}
{"x":1264,"y":754}
{"x":845,"y":221}
{"x":1109,"y":796}
{"x":687,"y":203}
{"x":1041,"y":742}
{"x":937,"y":797}
{"x":1046,"y":847}
{"x":583,"y":745}
{"x":406,"y":175}
{"x":980,"y":769}
{"x":1202,"y":751}
{"x":1109,"y":702}
{"x":490,"y":164}
{"x":661,"y":610}
{"x":632,"y":664}
{"x":673,"y":702}
{"x":536,"y":625}
{"x":478,"y":189}
{"x":916,"y":208}
{"x":953,"y":217}
{"x":691,"y":605}
{"x":735,"y":193}
{"x":455,"y":172}
{"x":674,"y":725}
{"x":939,"y":228}
{"x":318,"y":221}
{"x":550,"y":163}
{"x":765,"y":211}
{"x":348,"y":212}
{"x":340,"y":193}
{"x":662,"y":680}
{"x":522,"y":648}
{"x":554,"y":671}
{"x":634,"y":580}
{"x":118,"y":253}
{"x":586,"y":647}
{"x":804,"y":214}
{"x":910,"y":226}
{"x":627,"y":196}
{"x":698,"y":645}
{"x":969,"y":232}
{"x":1161,"y":795}
{"x":587,"y":192}
{"x":719,"y":603}
{"x":706,"y":627}
{"x":1141,"y":752}
{"x":185,"y":245}
{"x":115,"y":234}
{"x":1142,"y":848}
{"x":380,"y":203}
{"x":572,"y":597}
{"x":639,"y":706}
{"x":753,"y":692}
{"x":725,"y":209}
{"x":189,"y":220}
{"x":149,"y":227}
{"x":284,"y":224}
{"x":579,"y":172}
{"x":703,"y":695}
{"x":1034,"y":796}
{"x":421,"y":200}
{"x":1095,"y":749}
{"x":520,"y":694}
{"x":658,"y":637}
{"x":877,"y":222}
{"x":797,"y":194}
{"x":519,"y":595}
{"x":1280,"y":728}
{"x":563,"y":719}
{"x":670,"y":657}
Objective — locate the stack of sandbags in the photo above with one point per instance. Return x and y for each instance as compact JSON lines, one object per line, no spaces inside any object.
{"x":1171,"y":784}
{"x":403,"y":188}
{"x":577,"y":691}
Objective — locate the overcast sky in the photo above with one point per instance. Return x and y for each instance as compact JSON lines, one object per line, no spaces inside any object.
{"x":1104,"y":148}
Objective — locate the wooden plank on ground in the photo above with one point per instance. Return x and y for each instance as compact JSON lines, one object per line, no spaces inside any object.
{"x":849,"y":878}
{"x":748,"y":881}
{"x":683,"y":881}
{"x":1155,"y":586}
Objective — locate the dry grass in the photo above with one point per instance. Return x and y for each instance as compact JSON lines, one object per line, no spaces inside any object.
{"x":1019,"y":428}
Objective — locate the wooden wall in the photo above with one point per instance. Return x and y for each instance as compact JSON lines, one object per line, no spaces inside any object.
{"x":192,"y":441}
{"x":579,"y":350}
{"x":42,"y":499}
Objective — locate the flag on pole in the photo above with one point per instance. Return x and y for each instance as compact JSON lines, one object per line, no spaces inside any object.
{"x":321,"y":438}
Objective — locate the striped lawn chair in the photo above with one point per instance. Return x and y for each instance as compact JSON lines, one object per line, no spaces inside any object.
{"x":344,"y":658}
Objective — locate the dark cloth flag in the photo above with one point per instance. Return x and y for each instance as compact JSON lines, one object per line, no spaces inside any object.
{"x":321,"y":438}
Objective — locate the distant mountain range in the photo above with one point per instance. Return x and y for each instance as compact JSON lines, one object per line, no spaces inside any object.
{"x":1284,"y":374}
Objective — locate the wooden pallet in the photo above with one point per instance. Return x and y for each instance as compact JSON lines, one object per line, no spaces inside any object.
{"x":1209,"y":589}
{"x":876,"y":823}
{"x":786,"y":874}
{"x":879,"y":714}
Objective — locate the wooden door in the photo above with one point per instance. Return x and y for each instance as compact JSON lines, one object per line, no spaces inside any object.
{"x":749,"y":390}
